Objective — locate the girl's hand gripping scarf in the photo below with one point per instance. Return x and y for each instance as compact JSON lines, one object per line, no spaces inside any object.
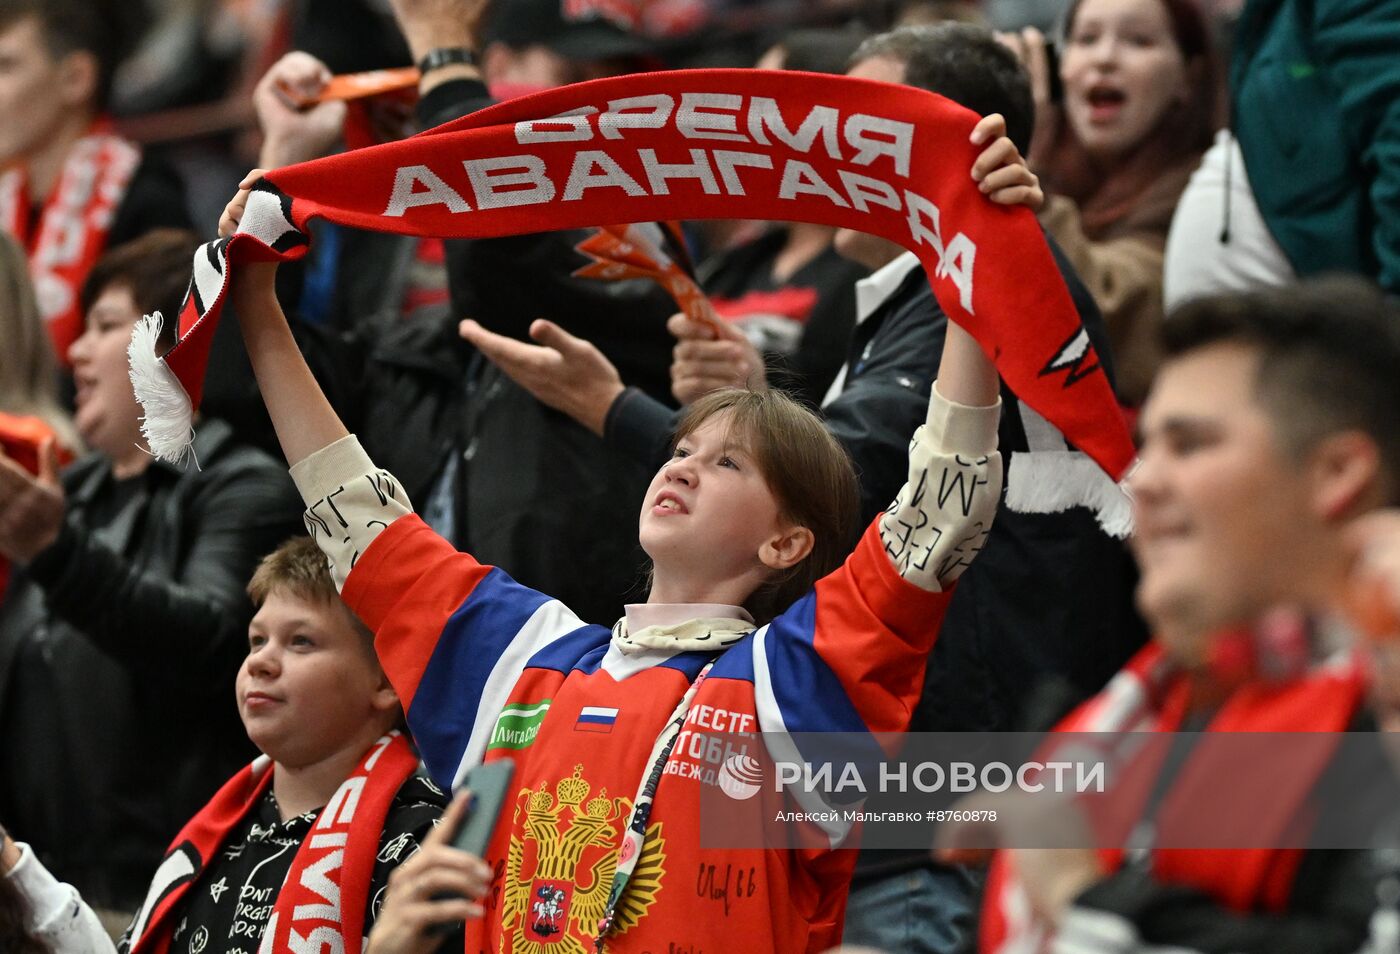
{"x":890,"y":160}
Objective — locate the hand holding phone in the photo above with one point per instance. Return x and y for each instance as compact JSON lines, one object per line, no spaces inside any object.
{"x":487,"y":784}
{"x":485,"y":789}
{"x":442,"y":884}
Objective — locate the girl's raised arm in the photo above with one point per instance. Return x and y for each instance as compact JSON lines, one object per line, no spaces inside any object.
{"x":301,"y":415}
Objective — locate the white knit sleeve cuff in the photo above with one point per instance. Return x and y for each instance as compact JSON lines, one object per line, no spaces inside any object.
{"x":349,"y":502}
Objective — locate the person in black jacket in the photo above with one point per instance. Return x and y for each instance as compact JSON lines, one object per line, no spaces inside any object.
{"x":124,"y":623}
{"x":1050,"y":595}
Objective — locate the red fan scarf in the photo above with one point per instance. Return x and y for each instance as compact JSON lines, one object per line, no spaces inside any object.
{"x":1150,"y":695}
{"x":747,"y":144}
{"x":71,"y":230}
{"x":322,"y":902}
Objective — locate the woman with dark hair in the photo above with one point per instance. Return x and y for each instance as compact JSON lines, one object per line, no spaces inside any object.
{"x":1138,"y":111}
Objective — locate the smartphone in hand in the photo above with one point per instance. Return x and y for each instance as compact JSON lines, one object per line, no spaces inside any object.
{"x":488,"y":784}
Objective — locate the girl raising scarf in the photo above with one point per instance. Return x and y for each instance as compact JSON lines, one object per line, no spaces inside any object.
{"x":598,"y":845}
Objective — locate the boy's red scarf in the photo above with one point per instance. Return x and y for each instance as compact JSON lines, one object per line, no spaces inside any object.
{"x":747,"y":144}
{"x":1150,"y":695}
{"x":327,"y":888}
{"x":71,"y":231}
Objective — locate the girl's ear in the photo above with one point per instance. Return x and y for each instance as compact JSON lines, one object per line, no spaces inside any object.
{"x":787,"y":548}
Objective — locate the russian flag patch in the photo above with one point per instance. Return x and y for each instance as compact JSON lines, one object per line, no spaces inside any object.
{"x":595,"y":719}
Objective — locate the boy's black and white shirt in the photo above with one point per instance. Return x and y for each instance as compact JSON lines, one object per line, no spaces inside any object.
{"x":230,"y":908}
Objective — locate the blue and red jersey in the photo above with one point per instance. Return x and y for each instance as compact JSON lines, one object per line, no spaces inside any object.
{"x":487,"y":668}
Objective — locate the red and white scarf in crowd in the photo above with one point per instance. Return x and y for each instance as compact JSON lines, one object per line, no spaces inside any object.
{"x":322,"y":902}
{"x":1150,"y":695}
{"x":71,"y":230}
{"x":737,"y":144}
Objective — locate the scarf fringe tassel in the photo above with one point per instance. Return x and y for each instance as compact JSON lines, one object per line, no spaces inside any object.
{"x":1055,"y":481}
{"x":168,"y":422}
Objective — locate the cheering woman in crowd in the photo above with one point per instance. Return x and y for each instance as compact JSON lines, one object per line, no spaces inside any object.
{"x":1138,"y":111}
